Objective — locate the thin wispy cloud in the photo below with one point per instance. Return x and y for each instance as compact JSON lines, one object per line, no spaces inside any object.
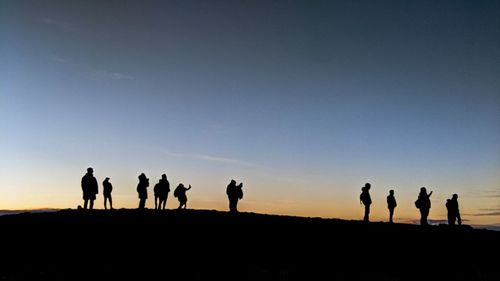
{"x":60,"y":25}
{"x":492,"y":193}
{"x":487,"y":212}
{"x":110,"y":75}
{"x":212,"y":158}
{"x":58,"y":59}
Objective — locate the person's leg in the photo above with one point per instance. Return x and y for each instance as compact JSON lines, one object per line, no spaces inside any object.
{"x":232,"y":206}
{"x":391,"y":214}
{"x":425,"y":214}
{"x":85,"y":203}
{"x":91,"y":204}
{"x":105,"y":201}
{"x":367,"y":212}
{"x":110,"y":202}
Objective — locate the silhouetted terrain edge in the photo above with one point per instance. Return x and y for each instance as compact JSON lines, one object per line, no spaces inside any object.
{"x":212,"y":245}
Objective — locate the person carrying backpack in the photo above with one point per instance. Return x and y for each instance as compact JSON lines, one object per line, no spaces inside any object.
{"x":234,"y":194}
{"x":107,"y":188}
{"x":423,"y":203}
{"x":142,"y":190}
{"x":453,"y":212}
{"x":180,"y":193}
{"x":366,"y":200}
{"x":391,"y":204}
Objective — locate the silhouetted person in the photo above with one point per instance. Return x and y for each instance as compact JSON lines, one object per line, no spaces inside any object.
{"x":366,"y":200}
{"x":106,"y":190}
{"x":180,"y":193}
{"x":142,"y":190}
{"x":391,"y":204}
{"x":156,"y":191}
{"x":89,"y":188}
{"x":423,"y":203}
{"x":234,"y":194}
{"x":162,"y":188}
{"x":453,"y":212}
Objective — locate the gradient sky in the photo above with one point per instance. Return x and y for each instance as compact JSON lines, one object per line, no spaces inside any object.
{"x":303,"y":101}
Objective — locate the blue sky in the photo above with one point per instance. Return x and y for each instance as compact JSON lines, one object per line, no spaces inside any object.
{"x":303,"y":101}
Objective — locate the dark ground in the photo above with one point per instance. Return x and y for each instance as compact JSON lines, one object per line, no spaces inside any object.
{"x":211,"y":245}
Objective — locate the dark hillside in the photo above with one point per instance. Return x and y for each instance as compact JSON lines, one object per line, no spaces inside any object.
{"x":211,"y":245}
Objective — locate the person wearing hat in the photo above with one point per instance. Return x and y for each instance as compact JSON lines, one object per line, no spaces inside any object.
{"x":107,"y":188}
{"x":89,"y":188}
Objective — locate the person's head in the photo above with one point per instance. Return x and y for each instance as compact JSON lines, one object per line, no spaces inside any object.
{"x":455,"y":196}
{"x":142,"y":176}
{"x":164,"y":176}
{"x":233,"y":182}
{"x":423,"y":190}
{"x":181,"y":185}
{"x":391,"y":192}
{"x":90,"y":170}
{"x":106,"y":179}
{"x":368,"y":186}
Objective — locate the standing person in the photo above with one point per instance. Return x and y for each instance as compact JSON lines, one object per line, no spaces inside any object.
{"x":89,"y":188}
{"x":156,"y":191}
{"x":366,"y":200}
{"x":423,"y":203}
{"x":106,"y":190}
{"x":234,"y":193}
{"x":180,"y":193}
{"x":164,"y":190}
{"x":453,"y":212}
{"x":391,"y":204}
{"x":161,"y":190}
{"x":142,"y":190}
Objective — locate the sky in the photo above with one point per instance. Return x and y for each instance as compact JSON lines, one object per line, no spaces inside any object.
{"x":302,"y":101}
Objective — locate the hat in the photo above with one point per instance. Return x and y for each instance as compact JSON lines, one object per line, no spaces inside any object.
{"x":106,"y":178}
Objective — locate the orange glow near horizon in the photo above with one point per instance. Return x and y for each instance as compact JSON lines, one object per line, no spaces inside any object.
{"x":255,"y":200}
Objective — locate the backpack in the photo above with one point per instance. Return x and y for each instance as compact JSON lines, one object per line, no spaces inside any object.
{"x":362,"y":197}
{"x":417,"y":204}
{"x":240,"y":193}
{"x":176,"y":192}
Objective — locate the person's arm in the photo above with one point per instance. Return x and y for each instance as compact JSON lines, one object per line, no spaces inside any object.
{"x":430,"y":194}
{"x":189,"y":187}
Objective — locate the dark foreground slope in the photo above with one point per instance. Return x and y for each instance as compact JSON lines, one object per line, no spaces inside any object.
{"x":210,"y":245}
